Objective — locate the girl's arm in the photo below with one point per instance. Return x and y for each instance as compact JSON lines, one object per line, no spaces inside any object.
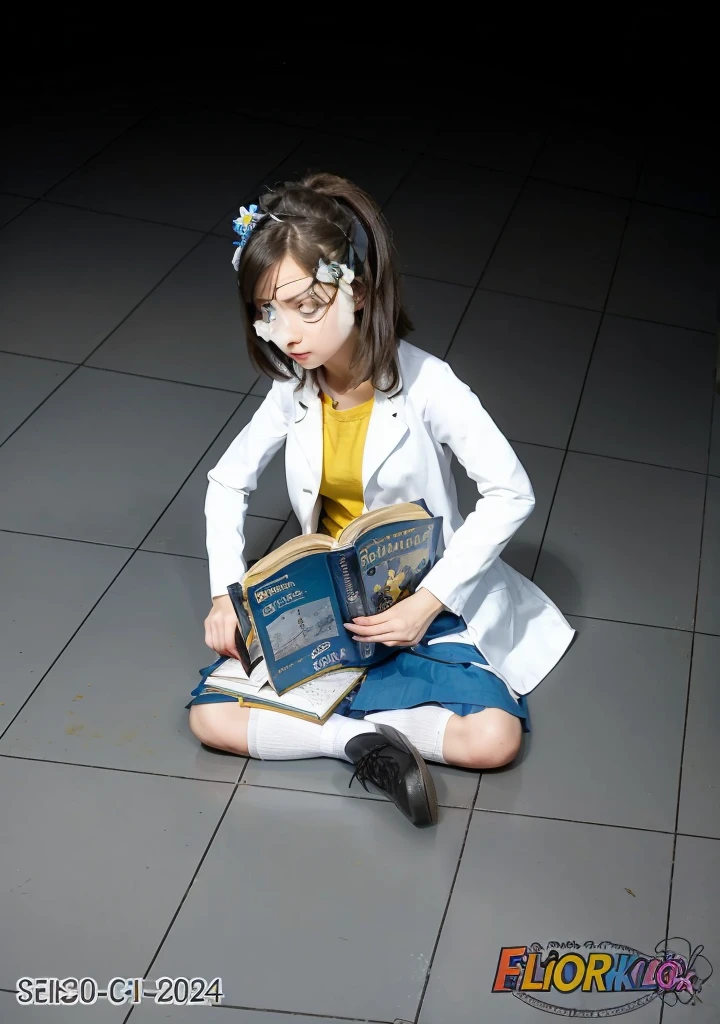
{"x":230,"y":484}
{"x":457,"y":419}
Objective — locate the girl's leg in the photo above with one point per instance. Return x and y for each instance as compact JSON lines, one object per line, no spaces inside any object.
{"x":382,"y":756}
{"x":270,"y":735}
{"x":486,"y":739}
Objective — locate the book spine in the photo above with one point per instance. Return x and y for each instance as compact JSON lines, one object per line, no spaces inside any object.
{"x":242,"y":632}
{"x":353,"y":595}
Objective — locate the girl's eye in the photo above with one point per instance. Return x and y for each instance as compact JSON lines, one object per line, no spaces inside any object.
{"x":309,"y":307}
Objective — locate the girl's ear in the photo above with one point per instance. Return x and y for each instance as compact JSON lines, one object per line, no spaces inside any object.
{"x":359,"y":294}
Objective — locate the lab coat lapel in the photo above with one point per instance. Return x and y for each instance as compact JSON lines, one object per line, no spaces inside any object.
{"x":309,"y":433}
{"x":386,"y":430}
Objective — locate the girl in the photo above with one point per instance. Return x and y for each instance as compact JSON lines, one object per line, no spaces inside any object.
{"x":369,"y":420}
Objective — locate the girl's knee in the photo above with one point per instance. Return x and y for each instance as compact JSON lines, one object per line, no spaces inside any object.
{"x":492,"y":738}
{"x":221,"y":726}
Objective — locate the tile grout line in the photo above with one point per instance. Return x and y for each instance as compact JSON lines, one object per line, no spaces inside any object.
{"x":227,"y":782}
{"x":493,"y":248}
{"x":283,"y":523}
{"x":436,"y":944}
{"x":143,"y":117}
{"x":124,"y":771}
{"x":186,"y":255}
{"x":63,"y":649}
{"x":190,"y":884}
{"x":34,"y":200}
{"x":300,"y":1015}
{"x":603,"y":313}
{"x":117,"y":574}
{"x":546,"y":132}
{"x":203,"y":237}
{"x":687,"y":696}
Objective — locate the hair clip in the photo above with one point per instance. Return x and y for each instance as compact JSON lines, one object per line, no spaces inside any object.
{"x":243,"y":226}
{"x":333,"y":273}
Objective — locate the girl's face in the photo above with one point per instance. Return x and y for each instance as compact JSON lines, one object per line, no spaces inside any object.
{"x":309,"y":321}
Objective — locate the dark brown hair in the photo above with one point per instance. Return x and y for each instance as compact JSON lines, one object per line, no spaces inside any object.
{"x":316,"y":221}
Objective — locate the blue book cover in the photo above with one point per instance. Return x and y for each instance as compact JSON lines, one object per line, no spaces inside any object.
{"x":297,"y":613}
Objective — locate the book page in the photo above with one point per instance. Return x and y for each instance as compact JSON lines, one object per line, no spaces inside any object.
{"x":317,"y":695}
{"x":233,"y":671}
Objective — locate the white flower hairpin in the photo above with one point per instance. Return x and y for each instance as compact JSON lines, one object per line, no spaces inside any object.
{"x":243,"y":226}
{"x":335,"y":273}
{"x":266,"y":325}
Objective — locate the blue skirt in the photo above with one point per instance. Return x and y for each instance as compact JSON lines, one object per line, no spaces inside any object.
{"x":440,"y":674}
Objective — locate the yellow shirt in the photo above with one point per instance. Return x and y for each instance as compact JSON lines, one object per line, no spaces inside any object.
{"x":344,"y":433}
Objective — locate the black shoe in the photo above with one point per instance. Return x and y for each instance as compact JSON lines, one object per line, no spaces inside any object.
{"x":390,"y":761}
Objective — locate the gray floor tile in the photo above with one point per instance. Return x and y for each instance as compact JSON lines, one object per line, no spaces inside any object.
{"x":560,"y":245}
{"x":290,"y":529}
{"x":188,"y":329}
{"x":668,"y":269}
{"x":585,"y":717}
{"x":590,"y":157}
{"x":47,"y":146}
{"x":377,"y":169}
{"x":150,"y":1014}
{"x":693,"y":916}
{"x":11,"y":206}
{"x":525,"y":880}
{"x":542,"y":465}
{"x":715,"y":446}
{"x":102,"y":1013}
{"x":700,"y":794}
{"x":455,"y":786}
{"x":105,"y":454}
{"x":181,"y":529}
{"x":501,"y":139}
{"x":475,"y":204}
{"x":661,"y":380}
{"x":102,"y":267}
{"x":623,"y":542}
{"x":526,"y":360}
{"x":682,"y":174}
{"x":708,"y":606}
{"x":116,"y":697}
{"x":24,"y":383}
{"x":180,"y":168}
{"x":367,"y":856}
{"x":55,"y":582}
{"x":103,"y":858}
{"x":435,"y":309}
{"x":412,"y":133}
{"x":261,"y":386}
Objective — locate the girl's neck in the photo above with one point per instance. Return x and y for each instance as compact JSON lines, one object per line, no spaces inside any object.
{"x":335,"y":380}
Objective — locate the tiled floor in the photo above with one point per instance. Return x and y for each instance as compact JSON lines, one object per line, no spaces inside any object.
{"x":568,"y":271}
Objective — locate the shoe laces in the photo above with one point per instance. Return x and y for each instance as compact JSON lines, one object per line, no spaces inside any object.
{"x":380,"y":769}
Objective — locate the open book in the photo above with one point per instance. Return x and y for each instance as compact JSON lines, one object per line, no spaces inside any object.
{"x":293,"y":603}
{"x":315,"y":700}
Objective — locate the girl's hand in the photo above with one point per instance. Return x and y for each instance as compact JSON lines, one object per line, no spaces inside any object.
{"x":403,"y":625}
{"x":220,"y":627}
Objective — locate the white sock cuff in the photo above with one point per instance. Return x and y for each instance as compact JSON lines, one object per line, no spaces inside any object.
{"x":424,"y":727}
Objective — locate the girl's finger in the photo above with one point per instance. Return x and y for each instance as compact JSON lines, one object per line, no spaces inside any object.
{"x":376,"y":627}
{"x":378,"y":638}
{"x":372,"y":620}
{"x":230,"y":645}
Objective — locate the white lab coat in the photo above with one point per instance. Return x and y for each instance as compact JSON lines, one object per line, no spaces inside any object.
{"x":407,"y":455}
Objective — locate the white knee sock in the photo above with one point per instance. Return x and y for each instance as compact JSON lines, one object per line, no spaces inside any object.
{"x":273,"y":736}
{"x":424,"y":727}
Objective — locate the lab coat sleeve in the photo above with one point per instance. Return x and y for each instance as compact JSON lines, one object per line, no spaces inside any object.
{"x":229,"y":487}
{"x":456,"y":418}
